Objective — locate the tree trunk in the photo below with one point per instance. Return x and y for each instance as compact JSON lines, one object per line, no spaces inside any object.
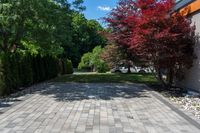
{"x":129,"y":69}
{"x":160,"y":78}
{"x":170,"y":77}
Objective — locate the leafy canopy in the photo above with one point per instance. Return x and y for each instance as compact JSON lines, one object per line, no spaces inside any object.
{"x":93,"y":61}
{"x":152,"y":33}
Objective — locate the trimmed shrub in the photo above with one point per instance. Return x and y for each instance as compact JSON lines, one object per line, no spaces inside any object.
{"x":67,"y":67}
{"x":2,"y":78}
{"x":23,"y":70}
{"x":26,"y":71}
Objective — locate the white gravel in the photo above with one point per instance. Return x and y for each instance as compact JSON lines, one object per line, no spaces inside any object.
{"x":189,"y":102}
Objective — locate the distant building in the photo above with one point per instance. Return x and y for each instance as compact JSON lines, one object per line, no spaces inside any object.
{"x":191,"y":9}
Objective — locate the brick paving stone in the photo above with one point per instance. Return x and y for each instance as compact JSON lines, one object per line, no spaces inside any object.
{"x":93,"y":108}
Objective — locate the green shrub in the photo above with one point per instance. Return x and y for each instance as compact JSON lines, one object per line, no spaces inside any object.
{"x":85,"y":63}
{"x":10,"y":72}
{"x":60,"y":66}
{"x":67,"y":67}
{"x":102,"y":67}
{"x":92,"y":61}
{"x":36,"y":70}
{"x":2,"y":78}
{"x":52,"y":67}
{"x":23,"y":70}
{"x":26,"y":71}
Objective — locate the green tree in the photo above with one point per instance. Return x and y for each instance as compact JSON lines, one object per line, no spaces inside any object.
{"x":86,"y":35}
{"x":93,"y":61}
{"x":86,"y":62}
{"x":78,"y":5}
{"x":42,"y":23}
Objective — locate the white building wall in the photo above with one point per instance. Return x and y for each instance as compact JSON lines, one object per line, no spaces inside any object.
{"x":192,"y":76}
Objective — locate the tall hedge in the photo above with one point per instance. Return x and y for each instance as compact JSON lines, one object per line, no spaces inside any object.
{"x":23,"y":70}
{"x":66,"y":66}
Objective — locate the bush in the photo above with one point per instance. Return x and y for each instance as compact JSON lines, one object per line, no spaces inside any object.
{"x":10,"y":72}
{"x":69,"y":67}
{"x":26,"y":71}
{"x":86,"y":63}
{"x":92,"y":61}
{"x":2,"y":79}
{"x":102,"y":67}
{"x":66,"y":66}
{"x":23,"y":70}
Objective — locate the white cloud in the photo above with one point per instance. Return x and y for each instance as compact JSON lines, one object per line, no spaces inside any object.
{"x":104,"y":8}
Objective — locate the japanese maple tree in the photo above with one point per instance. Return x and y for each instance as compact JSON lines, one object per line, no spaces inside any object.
{"x":111,"y":55}
{"x":121,"y":28}
{"x":116,"y":56}
{"x":153,"y":32}
{"x":121,"y":21}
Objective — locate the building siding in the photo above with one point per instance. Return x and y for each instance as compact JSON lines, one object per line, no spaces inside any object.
{"x":190,"y":8}
{"x":182,"y":3}
{"x":192,"y":76}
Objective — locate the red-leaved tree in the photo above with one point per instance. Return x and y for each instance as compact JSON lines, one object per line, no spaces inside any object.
{"x":151,"y":30}
{"x":112,"y":55}
{"x":121,"y":28}
{"x":121,"y":21}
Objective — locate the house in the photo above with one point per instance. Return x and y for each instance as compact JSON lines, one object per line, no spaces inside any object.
{"x":191,"y":9}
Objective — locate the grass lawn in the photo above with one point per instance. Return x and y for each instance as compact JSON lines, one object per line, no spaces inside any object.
{"x":108,"y":78}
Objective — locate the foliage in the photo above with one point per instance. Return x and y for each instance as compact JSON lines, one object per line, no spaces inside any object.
{"x":78,"y":5}
{"x":102,"y":67}
{"x":67,"y":67}
{"x":92,"y":61}
{"x":121,"y":21}
{"x":23,"y":70}
{"x":48,"y":27}
{"x":86,"y":61}
{"x":85,"y":36}
{"x":30,"y":21}
{"x":2,"y":84}
{"x":148,"y":30}
{"x":120,"y":30}
{"x":112,"y":55}
{"x":115,"y":56}
{"x":35,"y":33}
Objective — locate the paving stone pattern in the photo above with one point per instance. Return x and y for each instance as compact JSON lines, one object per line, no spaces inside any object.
{"x":93,"y":108}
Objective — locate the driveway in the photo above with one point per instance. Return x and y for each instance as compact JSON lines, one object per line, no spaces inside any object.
{"x":94,"y":108}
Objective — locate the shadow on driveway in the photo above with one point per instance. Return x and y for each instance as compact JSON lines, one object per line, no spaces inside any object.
{"x":84,"y":91}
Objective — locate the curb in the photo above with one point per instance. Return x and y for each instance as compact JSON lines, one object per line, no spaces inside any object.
{"x":188,"y":116}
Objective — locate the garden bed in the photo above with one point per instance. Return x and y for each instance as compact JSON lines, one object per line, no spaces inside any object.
{"x":187,"y":100}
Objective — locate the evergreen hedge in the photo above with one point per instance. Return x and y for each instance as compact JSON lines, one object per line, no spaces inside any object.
{"x":66,"y":66}
{"x":20,"y":71}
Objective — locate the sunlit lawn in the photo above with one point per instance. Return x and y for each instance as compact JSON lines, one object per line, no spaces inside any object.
{"x":108,"y":78}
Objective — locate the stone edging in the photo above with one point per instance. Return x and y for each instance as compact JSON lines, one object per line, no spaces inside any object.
{"x":176,"y":108}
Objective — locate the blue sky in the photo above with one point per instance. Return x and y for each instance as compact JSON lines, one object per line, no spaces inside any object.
{"x":97,"y":9}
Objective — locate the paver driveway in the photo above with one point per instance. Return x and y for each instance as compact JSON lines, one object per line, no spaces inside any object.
{"x":93,"y":108}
